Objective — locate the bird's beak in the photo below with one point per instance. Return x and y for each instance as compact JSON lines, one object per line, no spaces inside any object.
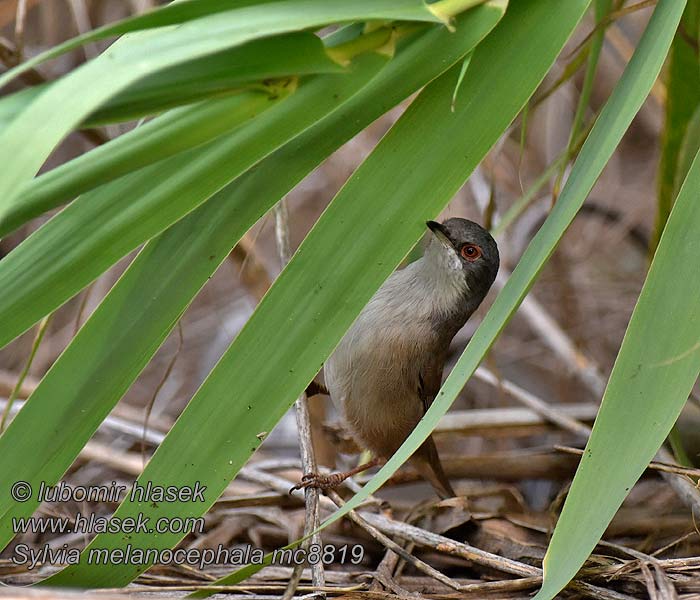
{"x":439,"y":232}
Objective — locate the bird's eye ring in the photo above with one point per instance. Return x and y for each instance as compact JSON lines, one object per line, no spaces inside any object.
{"x":470,"y":252}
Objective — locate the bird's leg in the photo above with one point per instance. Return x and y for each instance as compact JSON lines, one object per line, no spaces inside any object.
{"x":333,"y":480}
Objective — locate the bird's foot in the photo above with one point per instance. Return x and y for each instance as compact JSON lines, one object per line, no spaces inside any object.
{"x":321,"y":482}
{"x":332,"y":480}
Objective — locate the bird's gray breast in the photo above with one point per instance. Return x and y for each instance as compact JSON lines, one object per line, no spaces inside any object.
{"x":373,"y":376}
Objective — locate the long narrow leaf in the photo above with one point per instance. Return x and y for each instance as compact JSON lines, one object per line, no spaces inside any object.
{"x":494,"y":57}
{"x":301,"y":53}
{"x":177,"y":130}
{"x":653,"y":375}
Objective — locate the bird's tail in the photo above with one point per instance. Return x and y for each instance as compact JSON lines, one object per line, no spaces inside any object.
{"x":427,"y":463}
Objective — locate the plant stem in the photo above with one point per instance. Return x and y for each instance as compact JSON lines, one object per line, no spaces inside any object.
{"x":43,"y":325}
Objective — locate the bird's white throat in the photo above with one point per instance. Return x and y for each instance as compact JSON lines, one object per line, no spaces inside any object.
{"x":441,"y":269}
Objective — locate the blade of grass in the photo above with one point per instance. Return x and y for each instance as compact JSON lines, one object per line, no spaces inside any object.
{"x":428,"y":153}
{"x":41,"y":330}
{"x":144,"y":305}
{"x":295,"y":54}
{"x":653,"y":375}
{"x":491,"y":60}
{"x":602,"y":10}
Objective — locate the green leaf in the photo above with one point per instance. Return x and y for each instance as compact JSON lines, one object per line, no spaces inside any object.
{"x":12,"y":105}
{"x":416,"y":63}
{"x":24,"y":147}
{"x":602,"y":10}
{"x":642,"y":394}
{"x":653,"y":375}
{"x":174,"y":132}
{"x":102,"y":226}
{"x":175,"y":13}
{"x":428,"y":153}
{"x":297,"y":54}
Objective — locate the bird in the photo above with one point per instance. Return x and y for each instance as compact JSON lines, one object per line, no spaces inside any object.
{"x":387,"y":369}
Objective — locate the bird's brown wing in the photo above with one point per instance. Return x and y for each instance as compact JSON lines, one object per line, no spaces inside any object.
{"x":426,"y":458}
{"x":429,"y":380}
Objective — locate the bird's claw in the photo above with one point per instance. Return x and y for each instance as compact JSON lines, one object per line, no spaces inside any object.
{"x":319,"y":482}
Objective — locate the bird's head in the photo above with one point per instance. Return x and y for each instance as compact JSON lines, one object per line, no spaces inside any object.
{"x":460,"y":245}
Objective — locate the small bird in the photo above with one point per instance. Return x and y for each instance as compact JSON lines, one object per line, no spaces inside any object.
{"x":387,"y":369}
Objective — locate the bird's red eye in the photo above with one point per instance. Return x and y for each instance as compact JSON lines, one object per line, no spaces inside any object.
{"x":470,"y":252}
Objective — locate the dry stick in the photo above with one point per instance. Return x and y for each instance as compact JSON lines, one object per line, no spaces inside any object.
{"x":43,"y":325}
{"x":639,"y":557}
{"x":81,"y":17}
{"x":654,"y":465}
{"x":558,"y":341}
{"x":293,"y":583}
{"x":444,"y":544}
{"x":246,"y":589}
{"x":513,"y":421}
{"x":391,"y":566}
{"x":675,"y":542}
{"x":541,"y":407}
{"x":111,"y":423}
{"x":383,"y":572}
{"x":20,"y":20}
{"x":590,"y":375}
{"x":161,"y":383}
{"x":277,"y":483}
{"x":393,"y":546}
{"x":301,"y":406}
{"x":8,"y":12}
